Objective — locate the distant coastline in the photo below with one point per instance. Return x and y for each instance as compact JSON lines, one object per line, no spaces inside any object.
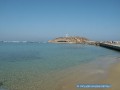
{"x":115,"y":45}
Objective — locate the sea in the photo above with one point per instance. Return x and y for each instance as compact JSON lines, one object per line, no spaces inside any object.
{"x":48,"y":66}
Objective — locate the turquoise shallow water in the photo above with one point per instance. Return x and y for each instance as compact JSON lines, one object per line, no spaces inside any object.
{"x":32,"y":66}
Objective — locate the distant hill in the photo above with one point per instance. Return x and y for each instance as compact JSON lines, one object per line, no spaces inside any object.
{"x":70,"y":39}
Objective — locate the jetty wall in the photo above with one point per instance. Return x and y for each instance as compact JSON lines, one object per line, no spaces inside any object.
{"x":110,"y":46}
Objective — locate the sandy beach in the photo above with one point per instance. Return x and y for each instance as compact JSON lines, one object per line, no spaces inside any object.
{"x":114,"y":77}
{"x":111,"y":76}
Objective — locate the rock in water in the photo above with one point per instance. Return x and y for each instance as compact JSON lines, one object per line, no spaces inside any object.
{"x":3,"y":89}
{"x":1,"y":83}
{"x":70,"y":39}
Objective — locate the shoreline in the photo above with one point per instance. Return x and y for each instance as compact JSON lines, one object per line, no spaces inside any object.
{"x":113,"y":76}
{"x":88,"y":73}
{"x":96,"y":76}
{"x":93,"y":72}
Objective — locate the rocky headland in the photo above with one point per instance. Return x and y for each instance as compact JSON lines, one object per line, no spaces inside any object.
{"x":70,"y":39}
{"x":115,"y":45}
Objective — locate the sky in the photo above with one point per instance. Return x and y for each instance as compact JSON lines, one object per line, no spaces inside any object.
{"x":37,"y":20}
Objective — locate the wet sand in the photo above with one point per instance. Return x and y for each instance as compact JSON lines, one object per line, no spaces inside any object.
{"x":114,"y":77}
{"x":91,"y":76}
